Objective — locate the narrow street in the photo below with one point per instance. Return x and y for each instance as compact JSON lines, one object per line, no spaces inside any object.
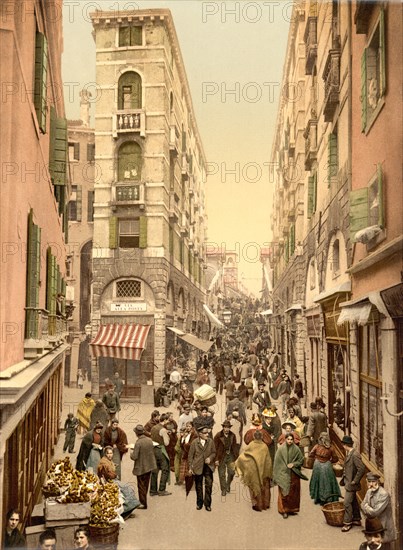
{"x":173,"y":523}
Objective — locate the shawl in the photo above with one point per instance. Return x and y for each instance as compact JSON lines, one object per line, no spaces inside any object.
{"x":281,"y":473}
{"x":106,"y":469}
{"x":254,"y":466}
{"x":84,"y":411}
{"x":120,"y":442}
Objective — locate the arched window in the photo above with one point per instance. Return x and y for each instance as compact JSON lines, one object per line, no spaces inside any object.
{"x":129,"y":91}
{"x":129,"y":161}
{"x":336,"y":257}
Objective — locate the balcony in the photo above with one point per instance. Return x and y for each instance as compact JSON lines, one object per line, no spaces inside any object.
{"x":174,"y":146}
{"x":128,"y":121}
{"x":311,"y":44}
{"x":311,"y":142}
{"x":174,"y":212}
{"x":44,"y":333}
{"x":331,"y":77}
{"x":185,"y":167}
{"x":128,"y":194}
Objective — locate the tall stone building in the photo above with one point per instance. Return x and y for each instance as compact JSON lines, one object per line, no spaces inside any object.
{"x":337,"y":229}
{"x":34,"y":195}
{"x":149,"y":217}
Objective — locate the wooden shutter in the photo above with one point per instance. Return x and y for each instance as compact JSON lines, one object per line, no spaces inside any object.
{"x":129,"y":161}
{"x":292,"y":239}
{"x":33,"y":277}
{"x":382,"y":45}
{"x":51,"y":282}
{"x":58,"y":148}
{"x":136,"y":36}
{"x":66,"y":223}
{"x":364,"y":90}
{"x":76,"y":151}
{"x":79,"y":202}
{"x":183,"y":141}
{"x":63,"y":291}
{"x":381,"y":217}
{"x":332,"y":157}
{"x":41,"y":69}
{"x":90,"y":206}
{"x":310,"y":209}
{"x":113,"y":232}
{"x":358,"y":210}
{"x":171,"y":240}
{"x":124,"y":37}
{"x":286,"y":249}
{"x":90,"y":152}
{"x":143,"y":232}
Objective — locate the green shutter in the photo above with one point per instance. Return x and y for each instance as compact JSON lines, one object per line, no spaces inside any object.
{"x":143,"y":232}
{"x":292,"y":239}
{"x":41,"y":69}
{"x":183,"y":141}
{"x":48,"y":279}
{"x":382,"y":45}
{"x":33,"y":277}
{"x":286,"y":249}
{"x":310,"y":209}
{"x":58,"y":148}
{"x":63,"y":291}
{"x":364,"y":91}
{"x":79,"y":201}
{"x":381,"y":217}
{"x":315,"y":191}
{"x":90,"y":206}
{"x":124,"y":36}
{"x":113,"y":232}
{"x":66,"y":223}
{"x":332,"y":157}
{"x":358,"y":210}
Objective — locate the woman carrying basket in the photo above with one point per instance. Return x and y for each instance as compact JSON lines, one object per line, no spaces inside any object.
{"x":323,"y":486}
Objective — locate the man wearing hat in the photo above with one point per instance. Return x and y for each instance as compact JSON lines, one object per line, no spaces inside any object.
{"x":377,"y":504}
{"x":354,"y":470}
{"x":144,"y":463}
{"x":317,"y":424}
{"x":201,"y":464}
{"x":261,"y":397}
{"x":272,"y":425}
{"x":227,"y":452}
{"x":374,"y":533}
{"x":236,"y":405}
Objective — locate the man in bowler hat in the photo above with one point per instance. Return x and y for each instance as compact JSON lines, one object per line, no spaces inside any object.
{"x":374,"y":533}
{"x":353,"y":471}
{"x":227,"y":452}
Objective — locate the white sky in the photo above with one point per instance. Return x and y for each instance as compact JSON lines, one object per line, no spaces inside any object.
{"x":236,"y":47}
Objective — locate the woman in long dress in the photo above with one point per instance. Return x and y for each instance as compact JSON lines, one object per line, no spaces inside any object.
{"x":287,"y":474}
{"x":323,"y":486}
{"x":84,"y":412}
{"x":254,"y":467}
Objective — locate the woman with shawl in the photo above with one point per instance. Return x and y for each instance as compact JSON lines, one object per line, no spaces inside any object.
{"x":106,"y":467}
{"x":323,"y":486}
{"x":287,"y":474}
{"x":99,"y":414}
{"x":254,"y":467}
{"x":84,"y":412}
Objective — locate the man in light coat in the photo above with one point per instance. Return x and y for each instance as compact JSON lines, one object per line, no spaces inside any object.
{"x":144,"y":463}
{"x":377,"y":504}
{"x":353,"y":471}
{"x":201,"y":465}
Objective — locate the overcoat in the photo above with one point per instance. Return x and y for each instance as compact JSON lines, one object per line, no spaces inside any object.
{"x":143,"y":456}
{"x":219,"y":442}
{"x":353,"y":471}
{"x":198,"y":455}
{"x":377,"y":504}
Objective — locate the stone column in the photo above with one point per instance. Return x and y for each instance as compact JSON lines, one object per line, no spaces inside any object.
{"x":159,"y":347}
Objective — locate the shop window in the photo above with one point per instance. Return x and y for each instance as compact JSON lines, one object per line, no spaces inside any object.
{"x":130,"y":36}
{"x":129,"y":91}
{"x":129,"y":161}
{"x":371,"y":419}
{"x":373,"y":75}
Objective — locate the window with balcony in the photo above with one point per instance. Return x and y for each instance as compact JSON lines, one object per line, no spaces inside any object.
{"x":129,"y":161}
{"x":373,"y":75}
{"x":130,"y":36}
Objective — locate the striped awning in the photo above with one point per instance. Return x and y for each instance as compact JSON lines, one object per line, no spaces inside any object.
{"x":120,"y":341}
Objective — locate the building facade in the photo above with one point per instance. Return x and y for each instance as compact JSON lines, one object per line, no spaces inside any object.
{"x":149,"y":217}
{"x":35,"y":190}
{"x":337,"y":230}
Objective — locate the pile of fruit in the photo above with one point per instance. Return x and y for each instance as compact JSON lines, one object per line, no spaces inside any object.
{"x":69,"y":485}
{"x":105,"y":505}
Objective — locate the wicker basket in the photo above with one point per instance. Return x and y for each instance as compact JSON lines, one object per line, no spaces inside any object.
{"x":105,"y":538}
{"x":334,"y":512}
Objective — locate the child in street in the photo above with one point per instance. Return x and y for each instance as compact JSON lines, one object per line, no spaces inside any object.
{"x":70,"y":427}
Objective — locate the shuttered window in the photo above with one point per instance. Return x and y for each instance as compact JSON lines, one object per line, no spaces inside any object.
{"x":90,"y":206}
{"x":171,"y":240}
{"x":90,"y":152}
{"x":311,"y":195}
{"x":33,"y":278}
{"x":367,"y":205}
{"x":58,"y":149}
{"x":332,"y":157}
{"x":130,"y":36}
{"x":143,"y":232}
{"x":358,"y":210}
{"x":292,"y":239}
{"x":51,"y":282}
{"x":364,"y":91}
{"x":41,"y":70}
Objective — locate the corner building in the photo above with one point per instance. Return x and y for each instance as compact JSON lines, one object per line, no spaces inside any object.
{"x":149,"y":218}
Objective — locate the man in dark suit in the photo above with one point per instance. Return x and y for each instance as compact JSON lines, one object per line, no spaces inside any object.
{"x":353,"y":471}
{"x":262,"y":398}
{"x":226,"y":453}
{"x":201,"y":465}
{"x":144,"y":463}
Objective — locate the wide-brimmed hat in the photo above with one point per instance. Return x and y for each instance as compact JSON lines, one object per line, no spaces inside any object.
{"x":268,"y":413}
{"x":347,"y":440}
{"x":373,"y":526}
{"x":226,"y":424}
{"x":288,"y":423}
{"x":139,"y":429}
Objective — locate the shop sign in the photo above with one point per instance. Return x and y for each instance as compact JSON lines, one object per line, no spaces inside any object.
{"x":129,"y":306}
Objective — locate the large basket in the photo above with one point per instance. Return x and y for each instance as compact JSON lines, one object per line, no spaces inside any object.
{"x":334,"y":512}
{"x":105,"y":538}
{"x":209,"y":402}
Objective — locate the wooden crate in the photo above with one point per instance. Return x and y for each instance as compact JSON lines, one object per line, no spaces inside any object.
{"x":64,"y":514}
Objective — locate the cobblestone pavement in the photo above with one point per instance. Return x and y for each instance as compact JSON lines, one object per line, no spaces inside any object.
{"x":173,"y":523}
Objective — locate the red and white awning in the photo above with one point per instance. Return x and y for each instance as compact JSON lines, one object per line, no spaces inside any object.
{"x":120,"y":341}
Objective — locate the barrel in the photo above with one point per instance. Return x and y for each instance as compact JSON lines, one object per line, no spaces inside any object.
{"x":105,"y":538}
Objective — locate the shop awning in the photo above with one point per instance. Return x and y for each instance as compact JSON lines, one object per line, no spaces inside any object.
{"x":294,"y":307}
{"x":176,"y":331}
{"x":212,"y":318}
{"x":203,"y":345}
{"x":120,"y":341}
{"x":358,"y":313}
{"x":339,"y":289}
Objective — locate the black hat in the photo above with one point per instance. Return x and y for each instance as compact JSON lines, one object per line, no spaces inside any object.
{"x":373,"y":477}
{"x":139,"y":429}
{"x":347,"y":440}
{"x":373,"y":526}
{"x":202,"y":428}
{"x":226,"y":424}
